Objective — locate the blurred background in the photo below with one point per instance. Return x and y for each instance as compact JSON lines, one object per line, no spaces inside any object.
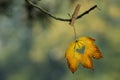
{"x":32,"y":45}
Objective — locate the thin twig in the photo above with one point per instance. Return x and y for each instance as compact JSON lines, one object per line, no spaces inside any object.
{"x":45,"y":12}
{"x":56,"y":18}
{"x":86,"y":12}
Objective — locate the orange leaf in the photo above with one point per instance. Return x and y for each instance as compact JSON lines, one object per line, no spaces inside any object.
{"x":82,"y":51}
{"x":72,"y":57}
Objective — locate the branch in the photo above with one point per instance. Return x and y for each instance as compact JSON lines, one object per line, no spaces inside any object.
{"x":86,"y":12}
{"x":56,"y":18}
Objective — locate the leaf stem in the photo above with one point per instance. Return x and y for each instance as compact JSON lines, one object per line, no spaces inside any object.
{"x":75,"y":34}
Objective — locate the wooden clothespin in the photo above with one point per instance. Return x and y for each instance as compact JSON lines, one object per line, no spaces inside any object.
{"x":75,"y":14}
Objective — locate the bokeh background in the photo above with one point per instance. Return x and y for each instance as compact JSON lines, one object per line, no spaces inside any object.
{"x":32,"y":45}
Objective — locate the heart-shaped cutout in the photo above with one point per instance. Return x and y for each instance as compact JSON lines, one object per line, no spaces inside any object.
{"x":82,"y":50}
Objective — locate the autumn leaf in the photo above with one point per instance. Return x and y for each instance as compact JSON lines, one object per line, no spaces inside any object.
{"x":81,"y":52}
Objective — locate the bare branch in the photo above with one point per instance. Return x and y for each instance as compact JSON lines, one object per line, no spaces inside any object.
{"x":86,"y":12}
{"x":56,"y":18}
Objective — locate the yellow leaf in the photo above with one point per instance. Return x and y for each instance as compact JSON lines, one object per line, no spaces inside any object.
{"x":91,"y":49}
{"x":82,"y":51}
{"x":72,"y":57}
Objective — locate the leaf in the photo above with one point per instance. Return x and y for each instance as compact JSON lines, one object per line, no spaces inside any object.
{"x":82,"y":51}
